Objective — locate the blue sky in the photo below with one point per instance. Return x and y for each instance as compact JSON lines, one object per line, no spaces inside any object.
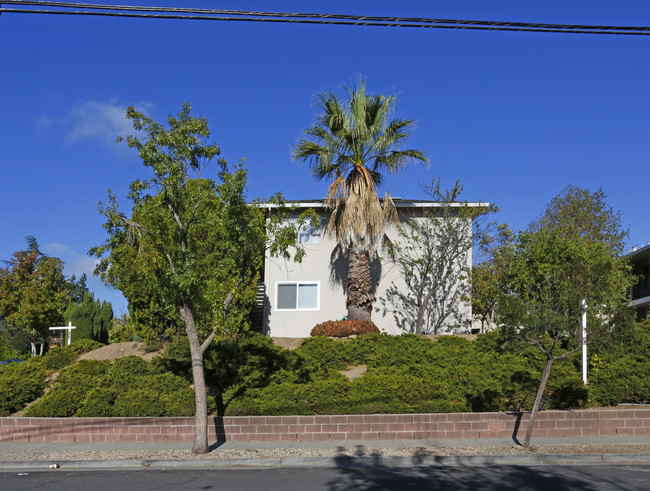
{"x":514,"y":116}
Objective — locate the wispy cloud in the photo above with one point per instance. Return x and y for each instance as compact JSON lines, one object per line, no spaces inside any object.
{"x":43,"y":121}
{"x":75,"y":263}
{"x":94,"y":121}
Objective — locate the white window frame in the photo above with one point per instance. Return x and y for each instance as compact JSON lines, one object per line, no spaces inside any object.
{"x":308,"y":235}
{"x":298,"y":283}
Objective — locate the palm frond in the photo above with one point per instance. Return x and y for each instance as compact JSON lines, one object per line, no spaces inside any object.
{"x":352,"y":143}
{"x":390,"y":211}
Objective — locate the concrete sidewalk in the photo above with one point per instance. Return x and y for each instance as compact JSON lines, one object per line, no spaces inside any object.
{"x":394,"y":453}
{"x":430,"y":443}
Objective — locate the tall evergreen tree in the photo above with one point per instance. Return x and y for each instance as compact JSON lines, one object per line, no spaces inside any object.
{"x":107,"y":319}
{"x":89,"y":318}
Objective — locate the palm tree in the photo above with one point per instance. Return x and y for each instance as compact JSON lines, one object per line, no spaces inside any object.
{"x":353,"y":144}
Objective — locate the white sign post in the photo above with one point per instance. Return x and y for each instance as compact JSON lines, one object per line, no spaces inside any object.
{"x":584,"y":342}
{"x":68,"y":328}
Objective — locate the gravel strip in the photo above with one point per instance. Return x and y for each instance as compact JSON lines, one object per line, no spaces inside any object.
{"x":269,"y":453}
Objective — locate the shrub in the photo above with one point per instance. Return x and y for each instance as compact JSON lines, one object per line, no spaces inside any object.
{"x":343,"y":329}
{"x":236,"y":365}
{"x":98,"y":402}
{"x":82,"y":346}
{"x":620,"y":380}
{"x":82,"y":373}
{"x":153,"y":346}
{"x":566,"y":389}
{"x":70,"y":389}
{"x":324,"y":353}
{"x":7,"y":353}
{"x":20,"y":383}
{"x":121,"y":330}
{"x":125,"y":373}
{"x":407,"y":350}
{"x":147,"y":402}
{"x":178,"y":359}
{"x":58,"y":358}
{"x":249,"y":359}
{"x":325,"y":396}
{"x":56,"y":404}
{"x":127,"y":387}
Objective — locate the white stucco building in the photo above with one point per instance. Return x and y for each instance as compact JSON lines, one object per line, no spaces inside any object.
{"x":300,"y":295}
{"x":639,"y":258}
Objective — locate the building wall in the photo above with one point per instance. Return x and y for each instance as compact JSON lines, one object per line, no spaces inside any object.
{"x":325,"y":265}
{"x":640,"y":292}
{"x":641,"y":268}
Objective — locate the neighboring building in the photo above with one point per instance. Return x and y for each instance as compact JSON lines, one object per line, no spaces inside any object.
{"x":640,"y":293}
{"x":299,"y":296}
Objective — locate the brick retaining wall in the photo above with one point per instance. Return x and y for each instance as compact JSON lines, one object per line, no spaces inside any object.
{"x":591,"y":422}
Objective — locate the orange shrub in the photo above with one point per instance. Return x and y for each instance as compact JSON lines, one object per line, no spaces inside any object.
{"x":342,"y":329}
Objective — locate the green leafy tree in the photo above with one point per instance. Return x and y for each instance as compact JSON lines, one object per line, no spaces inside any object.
{"x":550,"y":274}
{"x":131,"y":273}
{"x":198,"y":244}
{"x":589,"y":215}
{"x":433,"y":255}
{"x":77,"y":288}
{"x":488,"y":281}
{"x":353,"y":144}
{"x":33,"y":292}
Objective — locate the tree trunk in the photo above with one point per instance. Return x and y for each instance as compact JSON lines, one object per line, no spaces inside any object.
{"x":538,"y":402}
{"x":420,"y":320}
{"x":422,"y":309}
{"x":201,"y":419}
{"x":359,"y":287}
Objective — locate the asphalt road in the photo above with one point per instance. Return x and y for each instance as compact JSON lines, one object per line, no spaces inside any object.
{"x":535,"y":477}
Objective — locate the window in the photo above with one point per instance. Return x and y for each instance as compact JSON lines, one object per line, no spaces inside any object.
{"x":308,"y":234}
{"x":297,"y":295}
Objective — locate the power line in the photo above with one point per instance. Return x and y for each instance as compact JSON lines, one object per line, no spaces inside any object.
{"x":186,"y":13}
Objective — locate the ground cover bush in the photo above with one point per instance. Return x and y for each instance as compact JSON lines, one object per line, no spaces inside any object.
{"x":69,"y":390}
{"x":82,"y":346}
{"x":236,"y":365}
{"x":20,"y":383}
{"x":407,"y":374}
{"x":128,"y":386}
{"x":249,"y":375}
{"x":59,"y":357}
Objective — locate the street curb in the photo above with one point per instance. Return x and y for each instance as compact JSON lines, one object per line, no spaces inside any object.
{"x":341,"y":461}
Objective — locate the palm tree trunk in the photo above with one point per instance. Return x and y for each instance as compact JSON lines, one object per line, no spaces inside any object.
{"x":359,"y":287}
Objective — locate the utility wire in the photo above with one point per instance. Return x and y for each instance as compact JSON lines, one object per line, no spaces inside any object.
{"x":185,"y":13}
